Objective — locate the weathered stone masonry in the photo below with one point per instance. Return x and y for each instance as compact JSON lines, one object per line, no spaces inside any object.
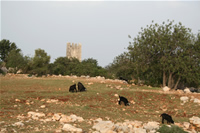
{"x":74,"y":50}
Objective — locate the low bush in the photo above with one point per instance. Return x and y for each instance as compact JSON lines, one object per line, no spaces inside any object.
{"x":172,"y":129}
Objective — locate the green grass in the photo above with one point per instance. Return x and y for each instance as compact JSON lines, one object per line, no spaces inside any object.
{"x":98,"y":102}
{"x":172,"y":129}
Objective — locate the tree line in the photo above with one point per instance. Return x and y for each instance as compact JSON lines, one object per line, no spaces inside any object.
{"x":165,"y":54}
{"x":12,"y":57}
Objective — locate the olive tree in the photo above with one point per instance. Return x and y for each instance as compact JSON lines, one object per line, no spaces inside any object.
{"x":166,"y":50}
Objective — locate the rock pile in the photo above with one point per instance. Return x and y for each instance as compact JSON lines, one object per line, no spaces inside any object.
{"x":195,"y":121}
{"x":185,"y":99}
{"x":127,"y":126}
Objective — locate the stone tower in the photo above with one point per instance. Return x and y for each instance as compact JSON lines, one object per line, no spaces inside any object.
{"x":74,"y":51}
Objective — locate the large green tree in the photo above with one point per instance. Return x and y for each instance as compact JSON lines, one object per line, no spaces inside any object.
{"x":166,"y":50}
{"x":5,"y":48}
{"x":90,"y":67}
{"x":15,"y":60}
{"x":65,"y":66}
{"x":40,"y":62}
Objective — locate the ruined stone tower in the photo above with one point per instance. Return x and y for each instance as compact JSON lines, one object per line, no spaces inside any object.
{"x":74,"y":51}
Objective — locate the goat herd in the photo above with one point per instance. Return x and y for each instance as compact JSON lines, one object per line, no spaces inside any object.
{"x":82,"y":88}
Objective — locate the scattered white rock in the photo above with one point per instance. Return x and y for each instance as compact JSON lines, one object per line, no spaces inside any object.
{"x":195,"y":121}
{"x":186,"y":125}
{"x":116,"y":95}
{"x":17,"y":100}
{"x":19,"y":124}
{"x":98,"y":120}
{"x":90,"y":83}
{"x":180,"y":91}
{"x":184,"y":99}
{"x":65,"y":119}
{"x":70,"y":128}
{"x":139,"y":130}
{"x":42,"y":106}
{"x":165,"y":89}
{"x":151,"y":125}
{"x":103,"y":126}
{"x":137,"y":124}
{"x":76,"y":118}
{"x":56,"y":117}
{"x":35,"y":115}
{"x":196,"y":100}
{"x":52,"y":100}
{"x":187,"y":90}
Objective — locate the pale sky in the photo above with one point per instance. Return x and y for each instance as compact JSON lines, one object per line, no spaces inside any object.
{"x":102,"y":27}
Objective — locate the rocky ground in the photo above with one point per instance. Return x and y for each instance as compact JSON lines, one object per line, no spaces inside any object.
{"x":36,"y":120}
{"x":69,"y":124}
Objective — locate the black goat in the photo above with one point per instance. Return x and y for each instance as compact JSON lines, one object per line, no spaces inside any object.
{"x":166,"y":117}
{"x":72,"y":88}
{"x":124,"y":100}
{"x":81,"y":87}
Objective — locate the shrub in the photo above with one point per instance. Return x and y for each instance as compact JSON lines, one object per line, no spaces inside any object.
{"x":172,"y":129}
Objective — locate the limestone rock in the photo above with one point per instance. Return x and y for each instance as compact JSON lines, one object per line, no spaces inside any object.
{"x":65,"y":119}
{"x":137,"y":124}
{"x":70,"y":128}
{"x":35,"y":115}
{"x":139,"y":130}
{"x":196,"y":100}
{"x":184,"y":99}
{"x":76,"y":118}
{"x":165,"y":89}
{"x":18,"y":124}
{"x":186,"y":125}
{"x":187,"y":90}
{"x":195,"y":120}
{"x":103,"y":126}
{"x":151,"y":125}
{"x":56,"y":117}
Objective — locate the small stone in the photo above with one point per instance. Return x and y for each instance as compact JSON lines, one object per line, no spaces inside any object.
{"x":17,"y":100}
{"x":43,"y":106}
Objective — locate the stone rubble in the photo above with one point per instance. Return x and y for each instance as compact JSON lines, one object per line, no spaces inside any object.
{"x":99,"y":125}
{"x":35,"y":115}
{"x":185,"y":99}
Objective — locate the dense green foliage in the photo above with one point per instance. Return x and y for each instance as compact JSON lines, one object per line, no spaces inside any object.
{"x":5,"y":48}
{"x":40,"y":63}
{"x":165,"y":54}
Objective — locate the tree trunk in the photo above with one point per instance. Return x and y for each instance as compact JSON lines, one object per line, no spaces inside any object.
{"x":177,"y":82}
{"x":170,"y":80}
{"x":164,"y":79}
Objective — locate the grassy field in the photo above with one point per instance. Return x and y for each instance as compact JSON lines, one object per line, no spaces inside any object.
{"x":20,"y":95}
